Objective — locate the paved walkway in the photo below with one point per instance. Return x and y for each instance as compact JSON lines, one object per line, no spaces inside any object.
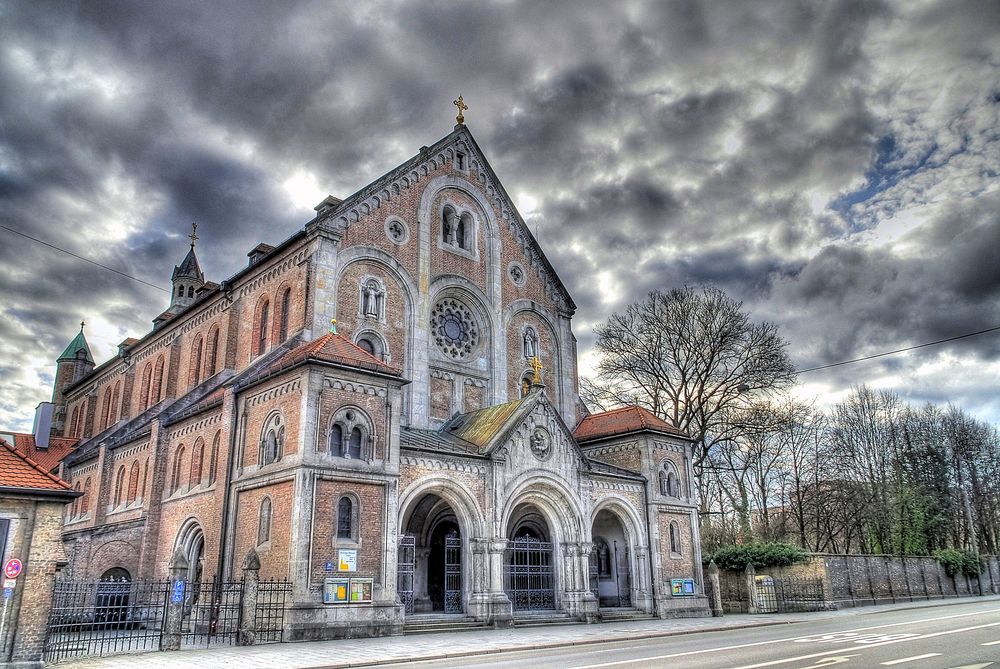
{"x":368,"y":652}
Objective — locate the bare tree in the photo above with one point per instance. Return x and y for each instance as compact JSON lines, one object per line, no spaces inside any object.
{"x":689,"y":357}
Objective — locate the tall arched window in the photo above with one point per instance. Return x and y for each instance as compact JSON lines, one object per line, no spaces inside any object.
{"x":156,"y":389}
{"x":196,"y":361}
{"x":464,"y":238}
{"x":603,"y":557}
{"x":675,"y":538}
{"x":345,"y":518}
{"x":120,"y":485}
{"x":74,"y":508}
{"x":211,"y":351}
{"x":175,"y":479}
{"x":354,"y":444}
{"x":264,"y":521}
{"x":336,"y":440}
{"x":115,"y":409}
{"x":272,"y":440}
{"x":105,"y":412}
{"x":669,"y":479}
{"x":85,"y":500}
{"x":144,"y":388}
{"x":145,"y":478}
{"x":449,"y":226}
{"x":262,"y":327}
{"x":213,"y":461}
{"x":133,"y":482}
{"x":197,"y":460}
{"x":74,"y":422}
{"x":190,"y":291}
{"x":180,"y":290}
{"x":286,"y":299}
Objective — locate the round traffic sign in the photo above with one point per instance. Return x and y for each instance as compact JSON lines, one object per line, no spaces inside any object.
{"x":12,"y":569}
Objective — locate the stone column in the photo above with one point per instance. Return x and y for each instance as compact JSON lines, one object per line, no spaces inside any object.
{"x":174,"y":615}
{"x":643,"y":598}
{"x":715,"y":590}
{"x":750,"y":578}
{"x":248,"y":603}
{"x":578,"y":600}
{"x":489,"y":601}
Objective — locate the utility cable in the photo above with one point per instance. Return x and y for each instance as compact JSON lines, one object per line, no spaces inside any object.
{"x":79,"y":257}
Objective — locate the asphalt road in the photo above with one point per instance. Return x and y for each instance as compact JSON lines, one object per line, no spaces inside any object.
{"x":963,"y":636}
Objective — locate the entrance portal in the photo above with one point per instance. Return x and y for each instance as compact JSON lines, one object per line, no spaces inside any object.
{"x":429,"y":572}
{"x":610,"y":565}
{"x":529,"y":578}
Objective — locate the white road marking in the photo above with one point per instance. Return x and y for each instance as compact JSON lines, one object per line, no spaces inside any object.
{"x":911,"y":659}
{"x":992,"y":643}
{"x":830,"y":652}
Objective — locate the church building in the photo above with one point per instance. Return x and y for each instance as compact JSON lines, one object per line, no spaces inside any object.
{"x":384,"y":408}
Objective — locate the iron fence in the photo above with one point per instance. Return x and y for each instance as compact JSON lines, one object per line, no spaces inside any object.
{"x":211,"y":613}
{"x":773,"y":595}
{"x":269,"y":614}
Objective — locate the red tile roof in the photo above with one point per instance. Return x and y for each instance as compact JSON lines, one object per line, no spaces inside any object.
{"x":621,"y":421}
{"x":333,"y":348}
{"x":19,"y":471}
{"x":48,"y":458}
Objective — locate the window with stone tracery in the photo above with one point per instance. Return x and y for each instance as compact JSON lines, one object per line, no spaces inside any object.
{"x":351,"y":435}
{"x":272,"y":440}
{"x":454,"y":329}
{"x":458,"y":230}
{"x":669,"y":479}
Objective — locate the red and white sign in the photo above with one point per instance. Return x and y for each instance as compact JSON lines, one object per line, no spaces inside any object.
{"x":12,"y":569}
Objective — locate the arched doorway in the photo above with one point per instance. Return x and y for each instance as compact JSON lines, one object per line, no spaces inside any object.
{"x":529,"y":576}
{"x":610,"y":561}
{"x":191,"y":543}
{"x":430,"y":562}
{"x":113,"y":590}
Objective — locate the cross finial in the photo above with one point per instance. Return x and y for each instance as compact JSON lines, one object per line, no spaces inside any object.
{"x":82,"y":323}
{"x":460,"y":103}
{"x":536,"y":365}
{"x":194,"y":234}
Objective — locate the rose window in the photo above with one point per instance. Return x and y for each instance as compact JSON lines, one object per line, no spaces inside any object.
{"x":454,"y":329}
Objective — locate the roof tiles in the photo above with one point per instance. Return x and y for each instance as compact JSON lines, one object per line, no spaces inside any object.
{"x":622,"y":421}
{"x":19,"y":471}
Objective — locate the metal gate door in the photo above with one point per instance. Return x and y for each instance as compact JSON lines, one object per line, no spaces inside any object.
{"x":404,"y":571}
{"x":529,"y":580}
{"x":595,"y":575}
{"x":453,"y":573}
{"x":623,"y":576}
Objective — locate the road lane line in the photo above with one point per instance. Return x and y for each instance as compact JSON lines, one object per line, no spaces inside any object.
{"x":992,"y":643}
{"x":765,"y":643}
{"x":911,"y":659}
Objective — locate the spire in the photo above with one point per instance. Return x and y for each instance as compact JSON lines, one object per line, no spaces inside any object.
{"x":78,"y":345}
{"x":189,"y":267}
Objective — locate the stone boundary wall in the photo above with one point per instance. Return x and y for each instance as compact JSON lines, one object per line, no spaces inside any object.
{"x":864,"y":580}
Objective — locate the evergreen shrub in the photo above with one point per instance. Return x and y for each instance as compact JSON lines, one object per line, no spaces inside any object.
{"x":736,"y":558}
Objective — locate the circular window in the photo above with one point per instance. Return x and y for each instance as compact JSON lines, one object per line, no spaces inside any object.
{"x":454,"y":329}
{"x":396,"y":231}
{"x":516,"y":274}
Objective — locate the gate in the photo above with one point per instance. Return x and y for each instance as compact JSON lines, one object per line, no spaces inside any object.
{"x":453,"y":573}
{"x":404,"y":571}
{"x":595,"y":575}
{"x":529,"y":580}
{"x":623,"y":576}
{"x":211,"y":613}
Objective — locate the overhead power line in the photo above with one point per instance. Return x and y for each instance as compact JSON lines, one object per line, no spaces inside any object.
{"x":79,"y":257}
{"x":900,"y":350}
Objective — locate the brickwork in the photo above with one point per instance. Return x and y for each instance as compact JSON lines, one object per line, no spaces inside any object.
{"x":274,"y":553}
{"x":366,"y":534}
{"x":519,"y":366}
{"x":676,"y":564}
{"x":371,"y":410}
{"x":283,"y":397}
{"x":393,"y":328}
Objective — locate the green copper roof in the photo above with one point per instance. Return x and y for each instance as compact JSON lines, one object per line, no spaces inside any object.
{"x":79,"y":343}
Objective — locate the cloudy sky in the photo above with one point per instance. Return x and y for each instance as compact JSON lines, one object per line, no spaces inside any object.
{"x":832,"y":164}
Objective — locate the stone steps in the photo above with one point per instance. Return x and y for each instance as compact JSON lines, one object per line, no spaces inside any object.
{"x":610,"y":615}
{"x":429,"y":623}
{"x":543,"y":618}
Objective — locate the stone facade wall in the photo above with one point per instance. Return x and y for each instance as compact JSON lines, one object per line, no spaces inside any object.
{"x":275,"y":553}
{"x":676,"y":564}
{"x":369,"y":538}
{"x":393,"y":328}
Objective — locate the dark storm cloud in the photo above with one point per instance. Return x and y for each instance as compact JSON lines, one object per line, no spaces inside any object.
{"x":668,"y":143}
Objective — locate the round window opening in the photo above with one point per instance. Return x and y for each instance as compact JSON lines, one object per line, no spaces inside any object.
{"x":454,"y":329}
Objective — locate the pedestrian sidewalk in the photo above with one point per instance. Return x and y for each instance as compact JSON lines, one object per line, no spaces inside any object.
{"x":367,"y":652}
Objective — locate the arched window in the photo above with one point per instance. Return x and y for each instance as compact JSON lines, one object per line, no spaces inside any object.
{"x":530,"y":340}
{"x":133,"y":482}
{"x":213,"y":461}
{"x":669,"y":480}
{"x":156,"y":390}
{"x":449,"y":226}
{"x":144,"y":388}
{"x":366,"y":345}
{"x":74,"y":422}
{"x":85,"y":500}
{"x":115,"y":397}
{"x":372,"y":344}
{"x":354,"y":444}
{"x":175,"y":478}
{"x":675,"y":538}
{"x":211,"y":352}
{"x":105,"y":412}
{"x":262,"y":327}
{"x":74,"y":508}
{"x":197,"y":460}
{"x":336,"y":440}
{"x":145,"y":478}
{"x":190,"y":291}
{"x":286,"y":299}
{"x":264,"y":521}
{"x":464,"y":238}
{"x":526,"y":382}
{"x":346,"y":518}
{"x":272,"y":440}
{"x":196,"y":361}
{"x":120,"y":485}
{"x":180,"y":290}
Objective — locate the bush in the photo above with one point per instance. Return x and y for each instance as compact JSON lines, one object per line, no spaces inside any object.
{"x":957,"y":561}
{"x":736,"y":558}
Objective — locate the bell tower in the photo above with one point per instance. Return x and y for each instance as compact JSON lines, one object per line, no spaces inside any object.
{"x":187,"y":277}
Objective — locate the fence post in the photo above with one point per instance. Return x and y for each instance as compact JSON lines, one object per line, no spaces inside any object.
{"x":248,"y":600}
{"x":715,"y":602}
{"x":174,"y":616}
{"x":751,"y":578}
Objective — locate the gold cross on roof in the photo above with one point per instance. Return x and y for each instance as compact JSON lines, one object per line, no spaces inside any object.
{"x":536,"y":365}
{"x":194,"y":234}
{"x":460,"y":103}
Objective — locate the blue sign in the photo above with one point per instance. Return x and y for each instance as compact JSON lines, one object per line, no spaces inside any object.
{"x":177,"y":596}
{"x":8,"y":593}
{"x":328,"y":566}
